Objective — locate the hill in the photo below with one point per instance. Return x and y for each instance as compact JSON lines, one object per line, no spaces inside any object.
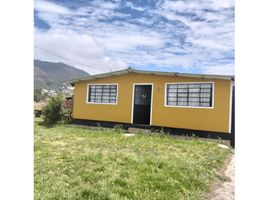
{"x":49,"y":75}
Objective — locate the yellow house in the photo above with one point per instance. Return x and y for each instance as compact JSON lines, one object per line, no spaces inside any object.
{"x":155,"y":99}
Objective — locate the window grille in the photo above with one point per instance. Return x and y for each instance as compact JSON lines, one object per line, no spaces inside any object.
{"x":102,"y":94}
{"x":189,"y":95}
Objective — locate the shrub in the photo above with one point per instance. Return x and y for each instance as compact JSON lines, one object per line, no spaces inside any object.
{"x":52,"y":112}
{"x":66,"y":114}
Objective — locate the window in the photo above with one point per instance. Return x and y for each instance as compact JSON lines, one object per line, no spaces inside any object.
{"x":102,"y":93}
{"x":189,"y":94}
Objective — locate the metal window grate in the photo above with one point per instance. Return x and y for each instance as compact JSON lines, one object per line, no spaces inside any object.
{"x":142,"y":95}
{"x":102,"y":93}
{"x":192,"y":94}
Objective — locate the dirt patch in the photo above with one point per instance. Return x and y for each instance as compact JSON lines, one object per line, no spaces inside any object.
{"x":223,"y":188}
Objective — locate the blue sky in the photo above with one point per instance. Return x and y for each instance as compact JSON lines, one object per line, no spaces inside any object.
{"x":98,"y":36}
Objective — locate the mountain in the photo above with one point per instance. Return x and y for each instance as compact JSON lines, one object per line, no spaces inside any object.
{"x":49,"y":75}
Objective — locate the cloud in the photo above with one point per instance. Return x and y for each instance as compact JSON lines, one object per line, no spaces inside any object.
{"x":178,"y":35}
{"x":132,"y":6}
{"x":225,"y":69}
{"x":130,"y":40}
{"x":49,"y":7}
{"x":81,"y":50}
{"x":208,"y":26}
{"x":193,"y":6}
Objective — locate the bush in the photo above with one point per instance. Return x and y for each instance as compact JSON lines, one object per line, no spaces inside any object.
{"x":66,"y":114}
{"x":52,"y":112}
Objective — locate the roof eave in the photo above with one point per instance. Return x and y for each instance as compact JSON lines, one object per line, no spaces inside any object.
{"x":227,"y":77}
{"x":129,"y":70}
{"x":104,"y":75}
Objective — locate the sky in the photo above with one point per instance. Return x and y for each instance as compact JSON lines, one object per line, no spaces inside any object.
{"x":187,"y":36}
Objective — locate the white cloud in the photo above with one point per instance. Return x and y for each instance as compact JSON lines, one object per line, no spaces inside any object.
{"x":209,"y":43}
{"x":209,"y":34}
{"x":225,"y":69}
{"x":46,"y":6}
{"x":132,"y":6}
{"x":169,"y":61}
{"x":106,"y":5}
{"x":80,"y":48}
{"x":190,"y":6}
{"x":99,"y":35}
{"x":130,"y":40}
{"x":222,"y":4}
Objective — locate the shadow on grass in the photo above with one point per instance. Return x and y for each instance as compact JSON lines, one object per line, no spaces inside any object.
{"x":40,"y":122}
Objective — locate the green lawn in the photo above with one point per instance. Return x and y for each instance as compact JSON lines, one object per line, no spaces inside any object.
{"x":76,"y":163}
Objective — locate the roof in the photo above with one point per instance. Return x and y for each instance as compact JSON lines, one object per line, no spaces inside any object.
{"x":130,"y":70}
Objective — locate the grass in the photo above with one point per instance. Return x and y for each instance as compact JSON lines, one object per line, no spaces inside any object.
{"x":76,"y":163}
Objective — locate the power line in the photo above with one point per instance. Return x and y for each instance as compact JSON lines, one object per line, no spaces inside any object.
{"x":49,"y":52}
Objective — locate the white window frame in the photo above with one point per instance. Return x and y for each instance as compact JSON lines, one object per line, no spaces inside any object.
{"x":175,"y":106}
{"x":117,"y":91}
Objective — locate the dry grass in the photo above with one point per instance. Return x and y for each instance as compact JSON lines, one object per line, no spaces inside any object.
{"x":39,"y":106}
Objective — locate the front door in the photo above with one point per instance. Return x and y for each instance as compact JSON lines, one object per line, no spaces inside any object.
{"x":142,"y":104}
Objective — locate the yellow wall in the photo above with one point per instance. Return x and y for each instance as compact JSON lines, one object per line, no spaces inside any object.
{"x":216,"y":119}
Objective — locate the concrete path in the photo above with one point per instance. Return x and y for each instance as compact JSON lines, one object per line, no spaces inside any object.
{"x":224,"y":189}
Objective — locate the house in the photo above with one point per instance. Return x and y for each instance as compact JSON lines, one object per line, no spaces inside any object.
{"x":155,"y":99}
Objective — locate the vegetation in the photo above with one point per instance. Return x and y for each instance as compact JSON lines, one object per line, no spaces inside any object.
{"x":66,"y":114}
{"x":76,"y":163}
{"x":118,"y":128}
{"x":55,"y":111}
{"x":52,"y":112}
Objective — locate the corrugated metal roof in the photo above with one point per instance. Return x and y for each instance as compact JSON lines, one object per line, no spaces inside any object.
{"x":130,"y":70}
